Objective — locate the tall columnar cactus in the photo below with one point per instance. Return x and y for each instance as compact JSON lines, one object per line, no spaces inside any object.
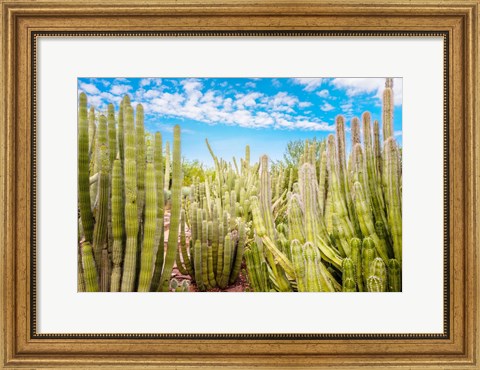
{"x":159,"y":234}
{"x":120,"y":133}
{"x":223,"y":281}
{"x":393,"y":196}
{"x":355,"y":129}
{"x":387,"y":111}
{"x":89,"y":269}
{"x":377,"y":150}
{"x":112,"y":134}
{"x":167,"y":166}
{"x":140,"y":157}
{"x":131,"y":212}
{"x":176,"y":200}
{"x":356,"y":256}
{"x":298,"y":261}
{"x":148,"y":248}
{"x":101,"y":217}
{"x":238,"y":253}
{"x":197,"y":250}
{"x":117,"y":225}
{"x":83,"y":170}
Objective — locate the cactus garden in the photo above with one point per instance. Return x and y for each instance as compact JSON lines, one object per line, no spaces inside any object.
{"x":325,"y":217}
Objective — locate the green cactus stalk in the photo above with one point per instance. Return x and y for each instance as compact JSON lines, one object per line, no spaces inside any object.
{"x":355,"y":131}
{"x":223,"y":281}
{"x":159,"y":234}
{"x":375,"y":284}
{"x":366,"y":221}
{"x":84,"y":203}
{"x":112,"y":133}
{"x":298,"y":261}
{"x":197,"y":250}
{"x":167,"y":166}
{"x":356,"y":256}
{"x":379,"y":269}
{"x":322,"y":182}
{"x":91,"y":129}
{"x":211,"y":274}
{"x":394,"y":276}
{"x":205,"y":255}
{"x":377,"y":151}
{"x":368,"y":255}
{"x":393,"y":196}
{"x":342,"y":169}
{"x":147,"y":255}
{"x":80,"y":278}
{"x":387,"y":111}
{"x":339,"y":205}
{"x":117,"y":225}
{"x":105,"y":272}
{"x":131,"y":212}
{"x":242,"y":237}
{"x":348,"y":276}
{"x":89,"y":269}
{"x":121,"y":133}
{"x":140,"y":157}
{"x":266,"y":198}
{"x":176,"y":201}
{"x":295,"y":219}
{"x":183,"y":244}
{"x":101,"y":217}
{"x":311,"y":270}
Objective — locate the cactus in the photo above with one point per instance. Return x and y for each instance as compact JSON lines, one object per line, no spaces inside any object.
{"x":131,"y":212}
{"x":394,"y":276}
{"x":89,"y":269}
{"x":393,"y":196}
{"x":175,"y":210}
{"x":147,"y":259}
{"x":117,"y":225}
{"x":167,"y":166}
{"x":159,"y":233}
{"x":238,"y":253}
{"x":83,"y":170}
{"x":101,"y":217}
{"x":387,"y":111}
{"x":140,"y":158}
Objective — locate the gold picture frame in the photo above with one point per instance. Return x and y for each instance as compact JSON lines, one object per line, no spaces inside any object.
{"x":24,"y":22}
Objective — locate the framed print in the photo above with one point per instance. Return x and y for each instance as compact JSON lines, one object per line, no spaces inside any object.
{"x":306,"y":174}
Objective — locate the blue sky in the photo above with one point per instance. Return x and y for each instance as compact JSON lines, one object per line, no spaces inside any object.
{"x":264,"y":112}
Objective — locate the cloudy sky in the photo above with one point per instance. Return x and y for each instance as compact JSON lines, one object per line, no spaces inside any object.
{"x":232,"y":112}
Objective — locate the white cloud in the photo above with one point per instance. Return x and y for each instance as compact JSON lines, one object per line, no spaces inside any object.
{"x":251,"y":84}
{"x":323,"y":93}
{"x":397,"y":133}
{"x":120,"y":89}
{"x":326,"y":107}
{"x":89,"y":88}
{"x":304,"y":104}
{"x":310,"y":84}
{"x":357,"y":86}
{"x":276,"y":83}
